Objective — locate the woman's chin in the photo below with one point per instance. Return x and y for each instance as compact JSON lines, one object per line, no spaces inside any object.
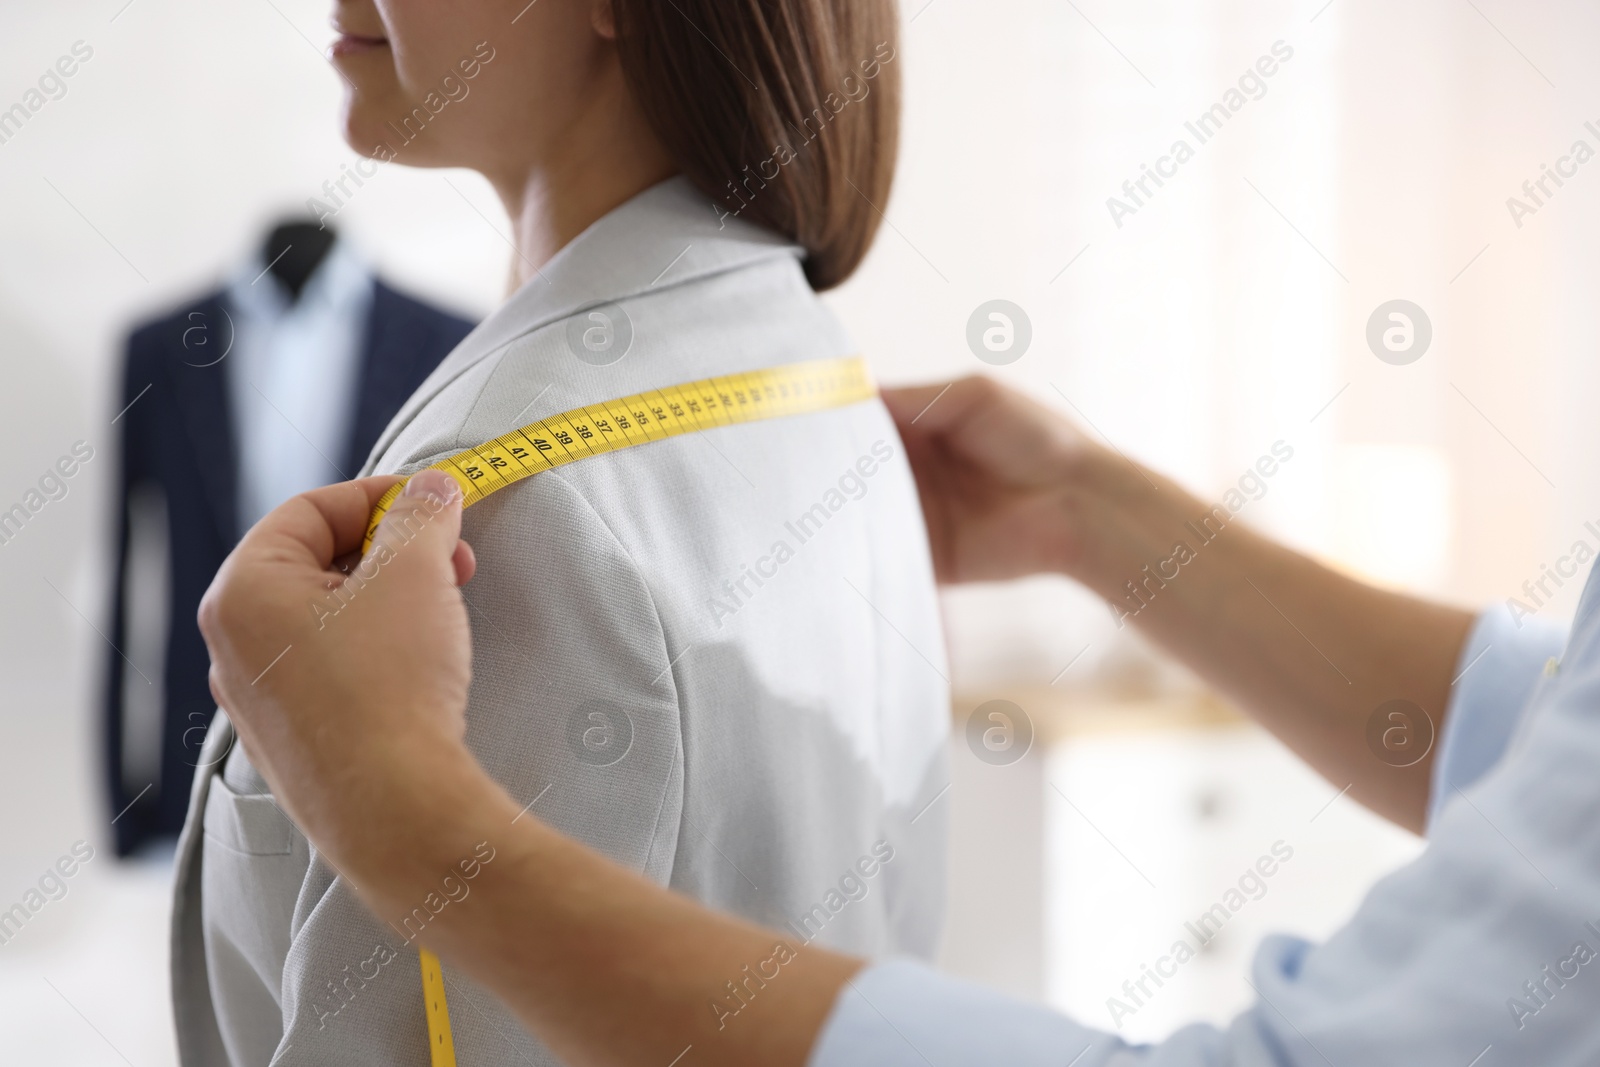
{"x":356,"y":133}
{"x":372,"y":95}
{"x":374,"y":132}
{"x":364,"y":129}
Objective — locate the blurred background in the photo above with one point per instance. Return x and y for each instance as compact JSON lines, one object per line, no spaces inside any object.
{"x":1193,"y":327}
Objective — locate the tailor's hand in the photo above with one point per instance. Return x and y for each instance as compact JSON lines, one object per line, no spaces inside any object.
{"x":342,"y":684}
{"x":1002,"y":478}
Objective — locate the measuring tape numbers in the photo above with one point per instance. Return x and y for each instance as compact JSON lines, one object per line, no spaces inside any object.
{"x":613,"y":425}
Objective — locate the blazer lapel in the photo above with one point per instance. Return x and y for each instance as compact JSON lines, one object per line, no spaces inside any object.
{"x":667,"y":235}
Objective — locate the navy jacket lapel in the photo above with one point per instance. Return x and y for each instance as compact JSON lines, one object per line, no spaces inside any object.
{"x":201,"y":390}
{"x":394,"y":362}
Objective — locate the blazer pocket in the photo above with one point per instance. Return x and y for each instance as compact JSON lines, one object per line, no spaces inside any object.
{"x":251,"y":825}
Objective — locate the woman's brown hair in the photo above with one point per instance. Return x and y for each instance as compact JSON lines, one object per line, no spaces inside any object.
{"x":787,"y":112}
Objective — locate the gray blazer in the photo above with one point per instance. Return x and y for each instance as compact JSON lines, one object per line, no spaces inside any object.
{"x":717,"y":659}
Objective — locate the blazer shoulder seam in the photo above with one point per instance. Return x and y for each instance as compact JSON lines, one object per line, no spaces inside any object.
{"x":666,"y":654}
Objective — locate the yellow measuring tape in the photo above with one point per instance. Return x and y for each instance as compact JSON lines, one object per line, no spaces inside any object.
{"x":609,"y":426}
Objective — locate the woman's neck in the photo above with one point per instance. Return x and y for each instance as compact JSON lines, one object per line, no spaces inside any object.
{"x":596,"y":167}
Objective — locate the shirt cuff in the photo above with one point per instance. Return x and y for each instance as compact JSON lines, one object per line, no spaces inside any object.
{"x":902,"y":1014}
{"x":1499,"y":669}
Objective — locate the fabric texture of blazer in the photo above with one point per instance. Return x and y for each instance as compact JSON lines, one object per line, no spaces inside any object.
{"x":717,"y":659}
{"x":177,"y":436}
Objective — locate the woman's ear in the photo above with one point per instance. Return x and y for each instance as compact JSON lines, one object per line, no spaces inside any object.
{"x":604,"y":19}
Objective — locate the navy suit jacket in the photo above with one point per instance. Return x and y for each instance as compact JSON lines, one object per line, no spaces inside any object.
{"x":180,"y":417}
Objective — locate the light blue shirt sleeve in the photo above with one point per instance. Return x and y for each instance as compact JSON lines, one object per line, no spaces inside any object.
{"x":1485,"y":951}
{"x":1499,"y":667}
{"x":903,"y":1014}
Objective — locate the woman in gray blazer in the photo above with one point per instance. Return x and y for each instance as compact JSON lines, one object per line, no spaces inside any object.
{"x":716,"y":660}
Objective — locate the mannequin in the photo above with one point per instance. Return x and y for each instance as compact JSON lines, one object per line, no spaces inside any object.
{"x":184,"y":444}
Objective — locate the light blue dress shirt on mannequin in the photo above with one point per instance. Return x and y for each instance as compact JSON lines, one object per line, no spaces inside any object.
{"x":292,"y":376}
{"x":1484,"y":952}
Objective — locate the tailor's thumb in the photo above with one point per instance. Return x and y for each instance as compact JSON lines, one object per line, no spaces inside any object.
{"x":423,"y":524}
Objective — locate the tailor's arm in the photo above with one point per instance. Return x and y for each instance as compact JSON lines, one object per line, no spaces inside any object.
{"x":358,"y":726}
{"x":1010,"y":488}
